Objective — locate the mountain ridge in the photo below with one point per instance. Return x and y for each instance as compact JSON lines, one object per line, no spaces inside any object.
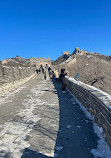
{"x":94,"y":68}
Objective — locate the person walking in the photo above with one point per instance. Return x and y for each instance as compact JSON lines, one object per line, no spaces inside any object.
{"x":45,"y":75}
{"x":43,"y":70}
{"x":37,"y":71}
{"x":63,"y":80}
{"x":50,"y":74}
{"x":56,"y":75}
{"x":41,"y":67}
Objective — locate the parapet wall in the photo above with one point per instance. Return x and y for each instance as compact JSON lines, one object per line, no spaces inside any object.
{"x":97,"y":102}
{"x":10,"y":76}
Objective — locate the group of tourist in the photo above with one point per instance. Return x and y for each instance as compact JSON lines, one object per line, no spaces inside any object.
{"x":40,"y":70}
{"x":53,"y":73}
{"x":59,"y":78}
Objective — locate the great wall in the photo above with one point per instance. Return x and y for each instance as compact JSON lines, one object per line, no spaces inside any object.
{"x":97,"y":102}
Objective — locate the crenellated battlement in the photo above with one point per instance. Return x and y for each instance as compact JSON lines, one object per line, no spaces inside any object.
{"x":66,"y":53}
{"x":38,"y":61}
{"x":80,"y":52}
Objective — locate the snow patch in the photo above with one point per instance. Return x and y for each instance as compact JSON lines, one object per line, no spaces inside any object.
{"x":14,"y":133}
{"x":68,"y":126}
{"x":58,"y":148}
{"x":103,"y":150}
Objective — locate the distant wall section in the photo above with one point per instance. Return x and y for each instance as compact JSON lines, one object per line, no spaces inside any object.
{"x":39,"y":61}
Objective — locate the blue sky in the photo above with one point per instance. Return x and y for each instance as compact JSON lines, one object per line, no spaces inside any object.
{"x":42,"y":28}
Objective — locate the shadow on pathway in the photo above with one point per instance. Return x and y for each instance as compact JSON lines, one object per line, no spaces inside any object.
{"x":76,"y":136}
{"x":33,"y":154}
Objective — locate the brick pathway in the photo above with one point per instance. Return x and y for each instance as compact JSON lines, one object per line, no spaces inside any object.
{"x":37,"y":120}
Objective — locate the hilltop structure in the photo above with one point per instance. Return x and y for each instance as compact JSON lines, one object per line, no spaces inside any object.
{"x":66,"y":53}
{"x":39,"y":61}
{"x":80,"y":52}
{"x":17,"y":58}
{"x":77,"y":51}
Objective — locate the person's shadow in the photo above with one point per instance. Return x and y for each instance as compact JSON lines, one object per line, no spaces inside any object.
{"x":75,"y":137}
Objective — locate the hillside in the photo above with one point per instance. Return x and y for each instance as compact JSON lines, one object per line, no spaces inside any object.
{"x":17,"y":61}
{"x":94,"y":69}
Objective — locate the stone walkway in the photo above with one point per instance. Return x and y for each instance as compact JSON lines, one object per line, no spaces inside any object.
{"x":37,"y":120}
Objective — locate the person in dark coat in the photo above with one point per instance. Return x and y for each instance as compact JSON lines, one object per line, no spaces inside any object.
{"x":49,"y":69}
{"x":42,"y":70}
{"x":63,"y":80}
{"x":37,"y":71}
